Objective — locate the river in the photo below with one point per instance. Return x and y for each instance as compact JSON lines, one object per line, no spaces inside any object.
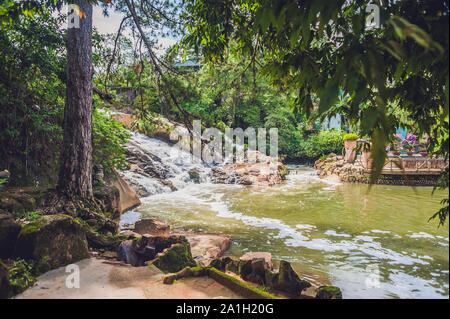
{"x":371,"y":244}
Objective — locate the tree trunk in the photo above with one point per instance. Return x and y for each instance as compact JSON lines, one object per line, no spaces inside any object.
{"x":75,"y":172}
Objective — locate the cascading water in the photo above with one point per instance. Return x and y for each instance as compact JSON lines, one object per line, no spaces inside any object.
{"x":376,"y":244}
{"x":162,"y":168}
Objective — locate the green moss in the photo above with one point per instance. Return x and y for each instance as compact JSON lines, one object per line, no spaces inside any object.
{"x":185,"y":273}
{"x":52,"y":241}
{"x":28,"y":229}
{"x":238,"y":286}
{"x":176,"y":258}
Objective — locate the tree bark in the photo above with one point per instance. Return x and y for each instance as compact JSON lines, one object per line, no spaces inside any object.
{"x":75,"y":172}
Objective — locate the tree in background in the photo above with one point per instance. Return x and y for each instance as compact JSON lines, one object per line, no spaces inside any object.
{"x":75,"y":173}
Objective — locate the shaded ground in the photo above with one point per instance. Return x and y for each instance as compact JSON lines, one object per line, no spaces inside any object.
{"x":103,"y":279}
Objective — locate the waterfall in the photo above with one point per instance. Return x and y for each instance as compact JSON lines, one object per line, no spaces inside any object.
{"x":158,"y":167}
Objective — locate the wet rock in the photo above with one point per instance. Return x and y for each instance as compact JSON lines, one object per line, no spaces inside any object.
{"x":9,"y":230}
{"x":265,"y":255}
{"x":175,"y":258}
{"x":288,"y":280}
{"x":53,"y":241}
{"x":262,"y":172}
{"x":226,"y":264}
{"x":146,"y":162}
{"x":258,"y":273}
{"x":136,"y":252}
{"x":194,"y":175}
{"x":328,"y":292}
{"x":6,"y":290}
{"x":152,"y":226}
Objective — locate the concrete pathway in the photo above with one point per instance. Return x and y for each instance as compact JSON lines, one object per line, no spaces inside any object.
{"x":104,"y":279}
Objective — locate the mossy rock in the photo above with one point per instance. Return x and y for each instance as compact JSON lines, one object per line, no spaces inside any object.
{"x":176,"y":258}
{"x":233,"y":266}
{"x":19,"y":200}
{"x":221,"y":263}
{"x":288,"y":280}
{"x":53,"y":241}
{"x":184,"y":273}
{"x":238,"y":286}
{"x":329,"y":292}
{"x":9,"y":230}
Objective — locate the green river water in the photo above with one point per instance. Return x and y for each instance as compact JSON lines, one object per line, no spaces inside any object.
{"x":376,"y":244}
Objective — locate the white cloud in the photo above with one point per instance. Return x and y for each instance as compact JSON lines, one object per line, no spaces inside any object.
{"x":104,"y":24}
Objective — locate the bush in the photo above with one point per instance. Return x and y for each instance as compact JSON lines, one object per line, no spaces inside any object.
{"x":289,"y":138}
{"x":109,"y":136}
{"x":350,"y":136}
{"x":22,"y":275}
{"x":323,"y":143}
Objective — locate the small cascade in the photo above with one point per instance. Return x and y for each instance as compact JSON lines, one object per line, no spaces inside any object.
{"x":158,"y":167}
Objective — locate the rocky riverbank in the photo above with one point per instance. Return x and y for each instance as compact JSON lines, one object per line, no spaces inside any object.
{"x":42,"y":233}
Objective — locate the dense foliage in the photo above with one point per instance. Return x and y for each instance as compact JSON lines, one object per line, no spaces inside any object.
{"x":109,"y":136}
{"x":321,"y":47}
{"x":32,"y":93}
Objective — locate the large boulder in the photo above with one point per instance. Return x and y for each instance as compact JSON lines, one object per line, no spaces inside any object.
{"x":288,"y":280}
{"x":9,"y":230}
{"x":128,"y":199}
{"x":207,"y":247}
{"x":53,"y":241}
{"x":6,"y":290}
{"x":152,"y":226}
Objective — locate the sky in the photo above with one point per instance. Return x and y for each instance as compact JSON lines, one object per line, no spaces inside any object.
{"x":110,"y":24}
